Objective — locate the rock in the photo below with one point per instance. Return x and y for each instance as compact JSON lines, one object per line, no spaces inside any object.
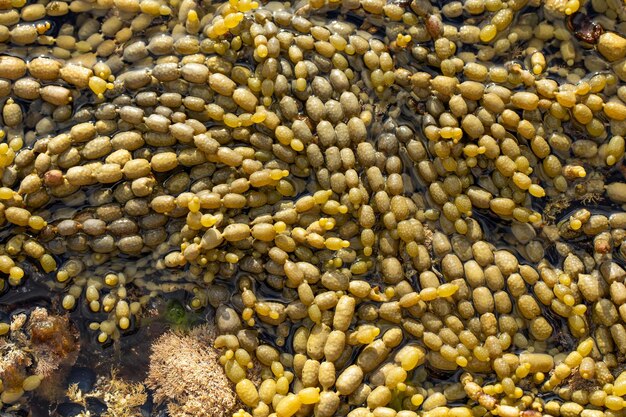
{"x":227,"y":320}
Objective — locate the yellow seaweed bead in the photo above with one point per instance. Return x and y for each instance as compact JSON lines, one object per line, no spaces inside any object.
{"x":124,"y":323}
{"x":460,"y":412}
{"x":219,"y":28}
{"x":536,"y":191}
{"x":262,"y":309}
{"x":6,"y":193}
{"x":585,"y":347}
{"x":335,"y":243}
{"x":578,"y":171}
{"x":300,"y":84}
{"x":232,"y":20}
{"x":447,"y":132}
{"x":231,"y":120}
{"x":280,"y":227}
{"x":247,"y":392}
{"x":619,"y":386}
{"x":97,"y":85}
{"x":611,"y":160}
{"x":258,"y":117}
{"x":276,"y":174}
{"x":63,"y":276}
{"x":296,"y":145}
{"x":231,"y":258}
{"x":310,"y":395}
{"x":192,"y":16}
{"x":150,"y":7}
{"x":447,"y":290}
{"x":522,"y":370}
{"x":196,"y":303}
{"x":194,"y":205}
{"x":488,"y":32}
{"x":48,"y":263}
{"x":244,"y":6}
{"x":322,"y":196}
{"x":394,"y":377}
{"x":471,"y":150}
{"x":411,"y":359}
{"x":288,"y":406}
{"x":403,"y":40}
{"x":613,"y":402}
{"x":481,"y":353}
{"x":247,"y":314}
{"x":208,"y":220}
{"x":6,"y":263}
{"x":36,"y":222}
{"x":572,"y":7}
{"x":262,"y":51}
{"x":428,"y":294}
{"x":241,"y":413}
{"x":16,"y":273}
{"x":367,"y":336}
{"x":16,"y":144}
{"x":417,"y":399}
{"x":110,"y":279}
{"x":575,"y":224}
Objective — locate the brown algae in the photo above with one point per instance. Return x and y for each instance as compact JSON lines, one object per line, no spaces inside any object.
{"x":387,"y":209}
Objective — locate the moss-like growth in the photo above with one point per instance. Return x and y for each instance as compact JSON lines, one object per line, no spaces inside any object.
{"x":185,"y":373}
